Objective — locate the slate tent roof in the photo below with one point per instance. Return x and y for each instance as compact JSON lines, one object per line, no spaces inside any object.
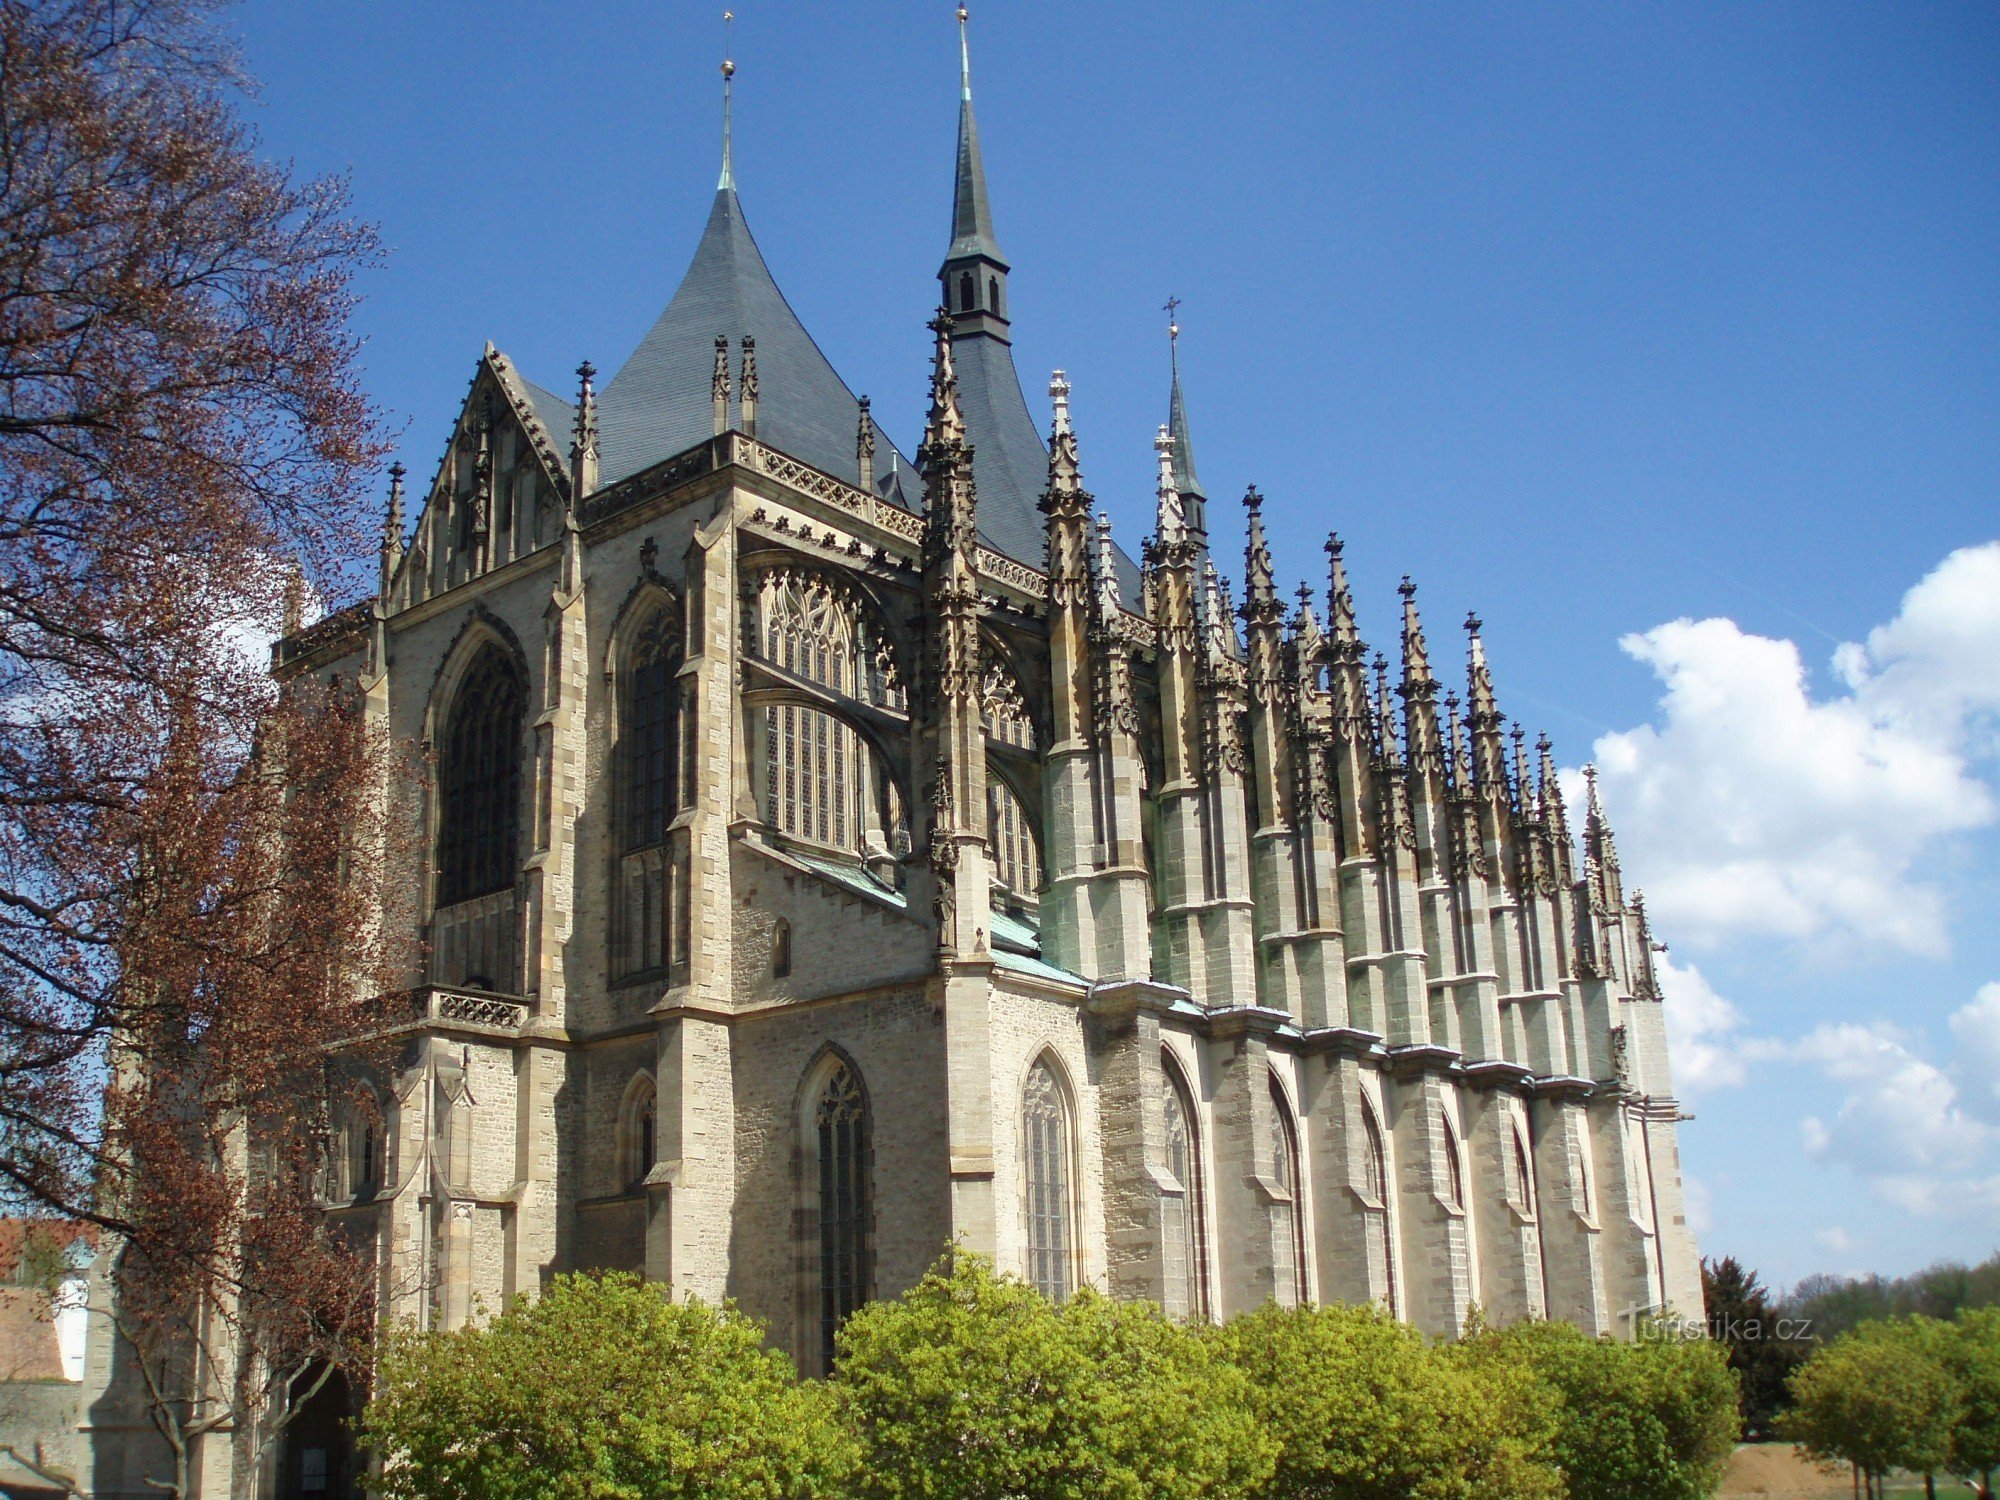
{"x":659,"y":404}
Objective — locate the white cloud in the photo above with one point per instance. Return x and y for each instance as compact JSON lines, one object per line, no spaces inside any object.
{"x":1701,"y":1031}
{"x":1836,"y":1239}
{"x":1900,"y":1125}
{"x":1752,"y":807}
{"x":1975,"y":1029}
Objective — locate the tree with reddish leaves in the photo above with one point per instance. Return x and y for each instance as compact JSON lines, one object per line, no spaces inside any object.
{"x":190,"y":915}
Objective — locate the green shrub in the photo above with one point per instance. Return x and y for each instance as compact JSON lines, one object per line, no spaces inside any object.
{"x":973,"y":1385}
{"x":600,"y":1390}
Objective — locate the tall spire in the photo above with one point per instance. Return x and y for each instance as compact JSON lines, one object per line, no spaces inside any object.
{"x":971,"y":215}
{"x":1193,"y":497}
{"x":727,"y":182}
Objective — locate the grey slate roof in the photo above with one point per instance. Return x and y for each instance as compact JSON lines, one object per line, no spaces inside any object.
{"x":658,"y":404}
{"x":558,"y":415}
{"x":971,"y":214}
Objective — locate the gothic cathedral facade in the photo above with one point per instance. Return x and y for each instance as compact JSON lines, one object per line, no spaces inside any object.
{"x":832,"y":854}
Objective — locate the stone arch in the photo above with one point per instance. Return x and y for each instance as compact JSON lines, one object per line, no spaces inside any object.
{"x":892,"y":648}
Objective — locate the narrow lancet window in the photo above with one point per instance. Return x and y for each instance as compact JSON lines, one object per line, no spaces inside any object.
{"x":846,"y":1214}
{"x":1288,"y":1239}
{"x":1045,"y":1149}
{"x":1181,"y":1204}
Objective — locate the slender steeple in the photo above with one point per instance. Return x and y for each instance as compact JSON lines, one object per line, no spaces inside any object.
{"x":1194,"y":499}
{"x":974,"y":249}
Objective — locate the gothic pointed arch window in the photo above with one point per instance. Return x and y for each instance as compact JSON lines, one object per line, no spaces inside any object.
{"x":1524,"y":1171}
{"x":638,"y":1132}
{"x":1288,"y":1225}
{"x":1375,"y":1165}
{"x":840,"y":1146}
{"x":1641,"y":1174}
{"x":965,"y":291}
{"x":480,"y":781}
{"x":1579,"y":1164}
{"x":1181,"y":1205}
{"x":1452,"y":1188}
{"x":821,"y":783}
{"x":993,"y":293}
{"x":1046,"y":1199}
{"x":647,"y":761}
{"x":1010,"y":832}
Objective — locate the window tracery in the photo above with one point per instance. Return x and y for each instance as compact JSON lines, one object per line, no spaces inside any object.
{"x":845,"y":1207}
{"x":480,"y":782}
{"x":820,"y":780}
{"x":647,"y":796}
{"x":1047,"y":1205}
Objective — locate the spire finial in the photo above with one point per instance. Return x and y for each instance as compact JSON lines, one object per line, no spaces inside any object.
{"x":583,"y":437}
{"x":392,"y":521}
{"x":947,"y":423}
{"x":727,"y":182}
{"x":1172,"y":310}
{"x":864,"y":443}
{"x":1260,"y":584}
{"x":964,"y":59}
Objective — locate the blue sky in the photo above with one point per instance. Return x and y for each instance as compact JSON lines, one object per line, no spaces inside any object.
{"x":1593,"y":318}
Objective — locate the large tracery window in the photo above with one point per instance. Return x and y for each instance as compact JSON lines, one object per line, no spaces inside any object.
{"x":1010,"y":833}
{"x":481,"y":782}
{"x":1181,"y":1212}
{"x":1046,"y":1204}
{"x":846,"y":1210}
{"x":1288,"y":1229}
{"x":651,"y":724}
{"x":648,"y":772}
{"x":1017,"y":860}
{"x":820,"y":783}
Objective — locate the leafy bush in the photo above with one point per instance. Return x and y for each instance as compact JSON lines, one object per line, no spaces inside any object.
{"x":602,"y":1389}
{"x":1650,"y":1420}
{"x":974,"y":1385}
{"x":1363,"y":1409}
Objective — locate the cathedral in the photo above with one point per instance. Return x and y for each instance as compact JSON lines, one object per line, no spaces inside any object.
{"x":830,"y":854}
